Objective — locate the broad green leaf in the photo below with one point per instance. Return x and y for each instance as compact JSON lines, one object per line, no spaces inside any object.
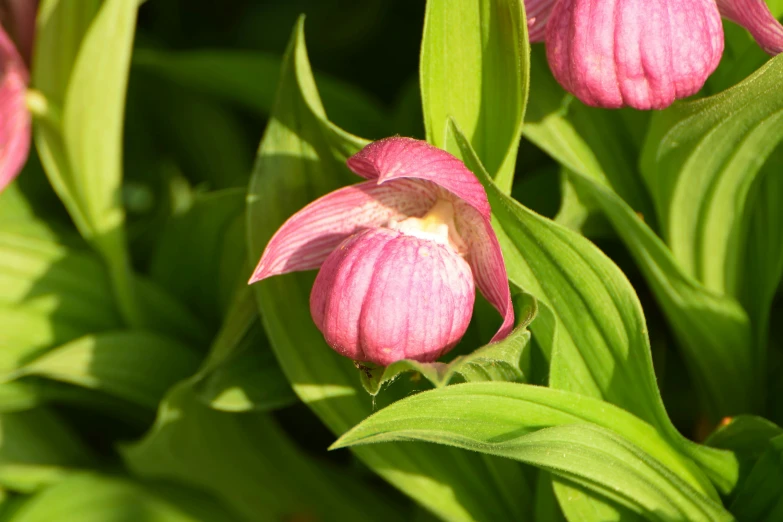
{"x":52,"y":293}
{"x":103,"y":498}
{"x":500,"y":361}
{"x":247,"y":461}
{"x":602,"y":142}
{"x":200,"y":255}
{"x":561,"y":432}
{"x":133,"y":365}
{"x":760,"y":497}
{"x":241,"y":372}
{"x":250,"y":80}
{"x":700,"y":161}
{"x":475,"y":68}
{"x":747,"y":437}
{"x":713,"y":330}
{"x":300,"y":158}
{"x":60,"y":29}
{"x":37,"y":448}
{"x":590,"y":320}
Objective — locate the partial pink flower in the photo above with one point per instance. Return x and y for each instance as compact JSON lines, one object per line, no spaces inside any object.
{"x":642,"y":54}
{"x":15,"y":120}
{"x":399,"y":255}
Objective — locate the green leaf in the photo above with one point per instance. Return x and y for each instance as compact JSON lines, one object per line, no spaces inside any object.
{"x":60,"y":29}
{"x":747,"y":437}
{"x":210,"y":235}
{"x":241,"y":372}
{"x":760,"y":498}
{"x":53,"y":292}
{"x":301,"y":157}
{"x":475,"y":68}
{"x":250,"y":79}
{"x":700,"y":161}
{"x":590,"y":322}
{"x":132,"y":365}
{"x":98,"y":498}
{"x":563,"y":433}
{"x":713,"y":330}
{"x":37,"y":448}
{"x":500,"y":361}
{"x":249,"y":462}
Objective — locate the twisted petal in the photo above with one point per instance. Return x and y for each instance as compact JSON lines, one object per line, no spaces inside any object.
{"x":395,"y":158}
{"x":644,"y":54}
{"x":754,"y":15}
{"x":538,"y":12}
{"x":486,"y":261}
{"x":14,"y":118}
{"x":310,"y":235}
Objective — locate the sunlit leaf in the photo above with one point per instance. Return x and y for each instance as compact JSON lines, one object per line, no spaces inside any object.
{"x":475,"y":68}
{"x":560,"y":432}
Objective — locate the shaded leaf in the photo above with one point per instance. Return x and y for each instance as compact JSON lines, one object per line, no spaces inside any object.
{"x":247,"y":461}
{"x":96,"y":498}
{"x":133,"y":365}
{"x":250,"y":79}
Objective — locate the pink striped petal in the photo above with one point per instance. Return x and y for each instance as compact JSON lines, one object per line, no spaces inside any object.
{"x":537,"y":12}
{"x":14,"y":118}
{"x":754,"y":15}
{"x":486,"y":261}
{"x":395,"y":158}
{"x":310,"y":235}
{"x":640,"y":53}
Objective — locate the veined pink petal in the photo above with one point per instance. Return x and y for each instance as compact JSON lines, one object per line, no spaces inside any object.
{"x":641,"y":53}
{"x":14,"y":118}
{"x":486,"y":261}
{"x":310,"y":235}
{"x":395,"y":158}
{"x":755,"y":16}
{"x":537,"y":12}
{"x":382,"y":296}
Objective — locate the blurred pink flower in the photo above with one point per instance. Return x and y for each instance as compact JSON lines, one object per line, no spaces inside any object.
{"x":19,"y":21}
{"x":641,"y":53}
{"x":399,"y":255}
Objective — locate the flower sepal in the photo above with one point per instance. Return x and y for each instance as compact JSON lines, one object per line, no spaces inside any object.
{"x":499,"y":361}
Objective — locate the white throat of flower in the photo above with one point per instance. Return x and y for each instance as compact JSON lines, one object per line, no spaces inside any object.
{"x":436,"y":225}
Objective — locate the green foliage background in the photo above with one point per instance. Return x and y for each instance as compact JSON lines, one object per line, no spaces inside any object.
{"x":142,"y":379}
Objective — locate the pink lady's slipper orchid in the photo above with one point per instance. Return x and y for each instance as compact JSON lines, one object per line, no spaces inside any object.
{"x":17,"y":18}
{"x":400,"y":255}
{"x":641,"y":53}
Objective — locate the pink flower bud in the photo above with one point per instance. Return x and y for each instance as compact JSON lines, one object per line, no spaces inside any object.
{"x":384,"y":295}
{"x":644,"y":54}
{"x":641,"y":53}
{"x":400,"y":255}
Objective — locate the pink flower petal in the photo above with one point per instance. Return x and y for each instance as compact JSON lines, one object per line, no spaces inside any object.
{"x":486,"y":261}
{"x":537,"y":12}
{"x":754,"y":15}
{"x":395,"y":158}
{"x":14,"y":118}
{"x":383,"y":296}
{"x":641,"y":53}
{"x":310,"y":235}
